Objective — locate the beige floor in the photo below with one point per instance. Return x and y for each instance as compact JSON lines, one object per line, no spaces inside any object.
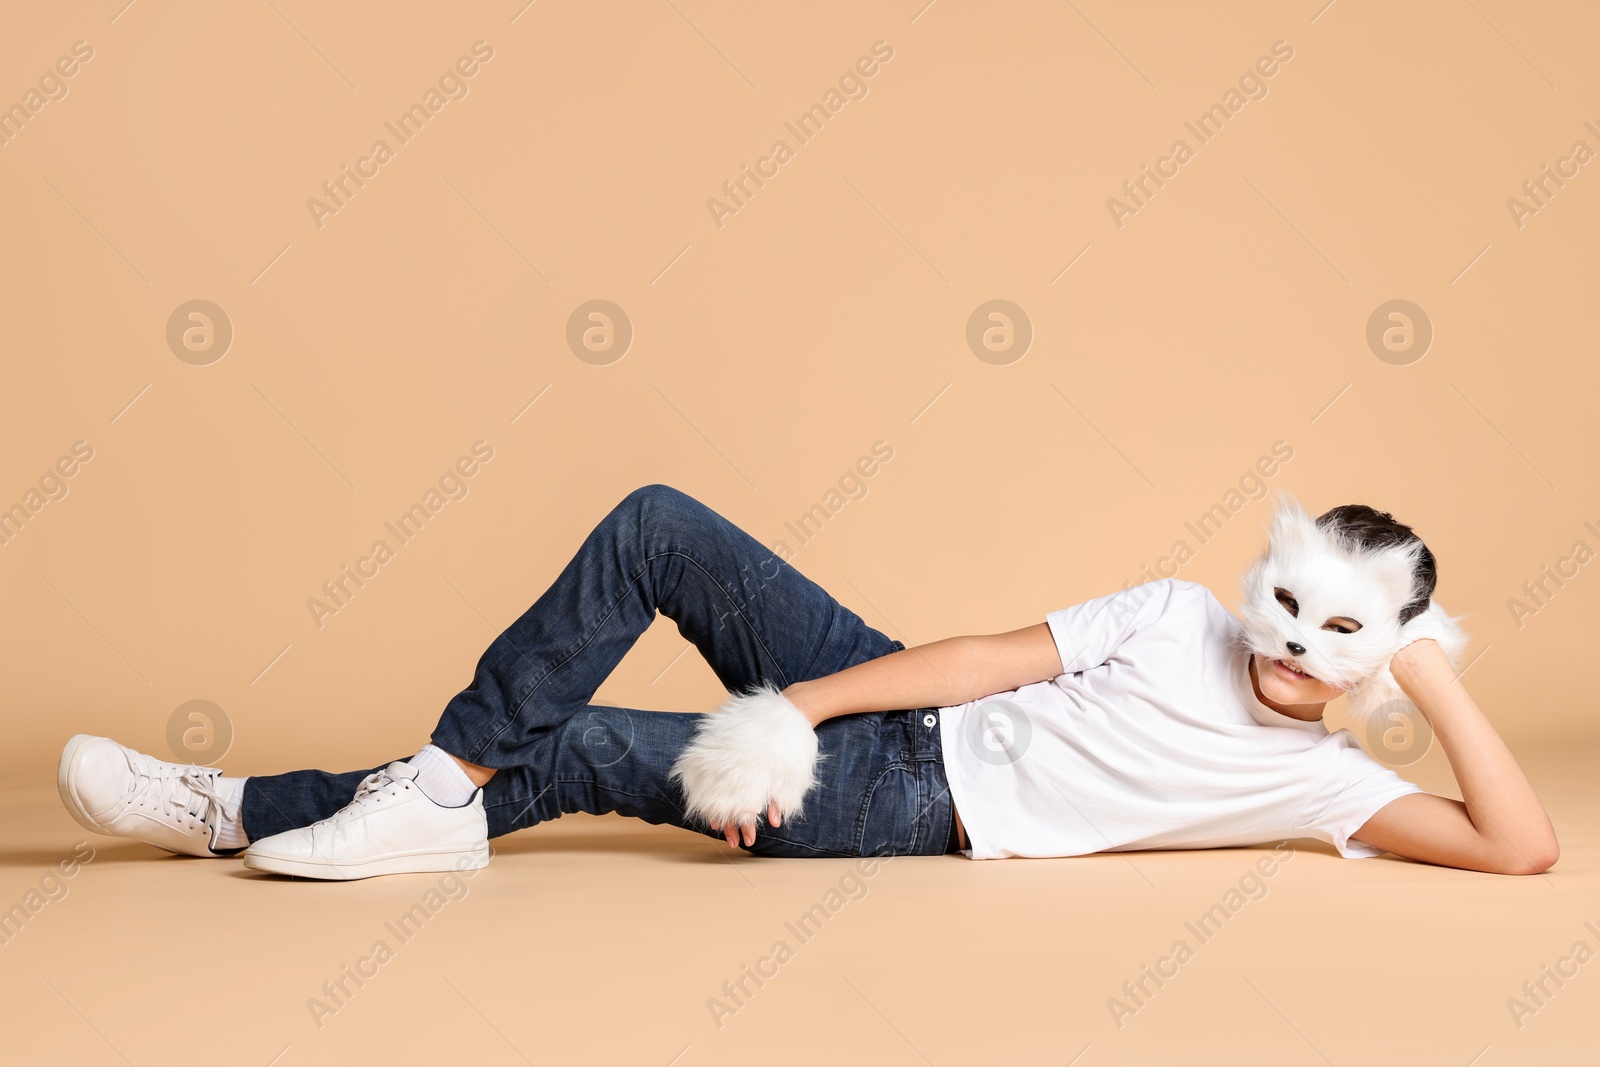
{"x":607,"y":941}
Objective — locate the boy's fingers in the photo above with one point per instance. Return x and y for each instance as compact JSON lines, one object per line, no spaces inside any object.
{"x":733,"y":830}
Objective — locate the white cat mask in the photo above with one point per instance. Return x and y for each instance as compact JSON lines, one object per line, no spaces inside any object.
{"x":1332,"y":576}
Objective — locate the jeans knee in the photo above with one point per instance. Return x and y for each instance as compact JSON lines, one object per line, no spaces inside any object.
{"x":660,"y":513}
{"x":653,"y":496}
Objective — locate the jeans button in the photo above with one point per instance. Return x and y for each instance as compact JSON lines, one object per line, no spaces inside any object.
{"x":930,"y":720}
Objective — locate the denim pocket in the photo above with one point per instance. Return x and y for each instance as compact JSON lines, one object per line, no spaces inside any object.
{"x":887,"y":825}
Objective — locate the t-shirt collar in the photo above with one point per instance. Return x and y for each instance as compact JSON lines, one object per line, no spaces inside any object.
{"x":1260,"y":712}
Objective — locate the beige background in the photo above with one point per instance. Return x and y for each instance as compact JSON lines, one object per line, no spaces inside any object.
{"x":769,"y":354}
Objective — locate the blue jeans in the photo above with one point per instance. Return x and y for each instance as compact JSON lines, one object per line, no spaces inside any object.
{"x":752,"y":617}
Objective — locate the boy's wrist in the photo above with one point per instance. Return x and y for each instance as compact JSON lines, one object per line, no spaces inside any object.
{"x":804,"y":696}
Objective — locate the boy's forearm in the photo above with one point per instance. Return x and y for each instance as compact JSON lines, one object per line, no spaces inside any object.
{"x":935,"y":675}
{"x":1500,"y":800}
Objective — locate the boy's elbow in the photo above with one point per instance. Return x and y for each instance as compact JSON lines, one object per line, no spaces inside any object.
{"x":1545,"y":858}
{"x":1533,"y":861}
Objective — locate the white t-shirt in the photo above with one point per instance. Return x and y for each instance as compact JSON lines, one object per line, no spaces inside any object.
{"x":1152,"y":737}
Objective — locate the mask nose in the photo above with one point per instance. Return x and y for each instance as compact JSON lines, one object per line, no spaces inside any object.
{"x":1297,"y":648}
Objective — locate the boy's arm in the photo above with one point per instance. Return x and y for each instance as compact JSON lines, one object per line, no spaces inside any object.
{"x":940,"y":674}
{"x":958,"y":669}
{"x":1500,"y":826}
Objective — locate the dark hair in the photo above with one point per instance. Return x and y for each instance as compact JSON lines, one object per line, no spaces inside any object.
{"x":1369,"y":528}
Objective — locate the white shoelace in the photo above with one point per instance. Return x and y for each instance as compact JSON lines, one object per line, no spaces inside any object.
{"x":373,"y":788}
{"x":172,"y":789}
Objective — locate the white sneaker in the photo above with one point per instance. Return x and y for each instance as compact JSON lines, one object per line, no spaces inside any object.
{"x":390,"y":827}
{"x":111,"y":789}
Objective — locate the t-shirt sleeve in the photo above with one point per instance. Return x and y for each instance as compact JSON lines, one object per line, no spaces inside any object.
{"x":1088,"y":634}
{"x":1353,"y":792}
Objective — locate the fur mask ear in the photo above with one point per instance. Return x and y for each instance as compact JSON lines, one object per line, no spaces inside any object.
{"x":1326,"y":576}
{"x":1368,"y":699}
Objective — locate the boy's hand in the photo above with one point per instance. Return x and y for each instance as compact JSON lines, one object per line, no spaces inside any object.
{"x":759,"y":753}
{"x":1417,"y":657}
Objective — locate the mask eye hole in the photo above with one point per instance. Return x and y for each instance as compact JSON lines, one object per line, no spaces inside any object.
{"x":1342,"y":624}
{"x":1290,"y":604}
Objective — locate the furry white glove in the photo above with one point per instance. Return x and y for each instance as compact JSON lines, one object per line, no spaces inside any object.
{"x":1370,"y":696}
{"x":758,"y":750}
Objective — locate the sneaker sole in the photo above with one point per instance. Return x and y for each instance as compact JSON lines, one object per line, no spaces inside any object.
{"x":329,"y":871}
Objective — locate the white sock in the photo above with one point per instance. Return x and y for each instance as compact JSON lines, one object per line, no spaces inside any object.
{"x":441,"y":778}
{"x":230,"y":828}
